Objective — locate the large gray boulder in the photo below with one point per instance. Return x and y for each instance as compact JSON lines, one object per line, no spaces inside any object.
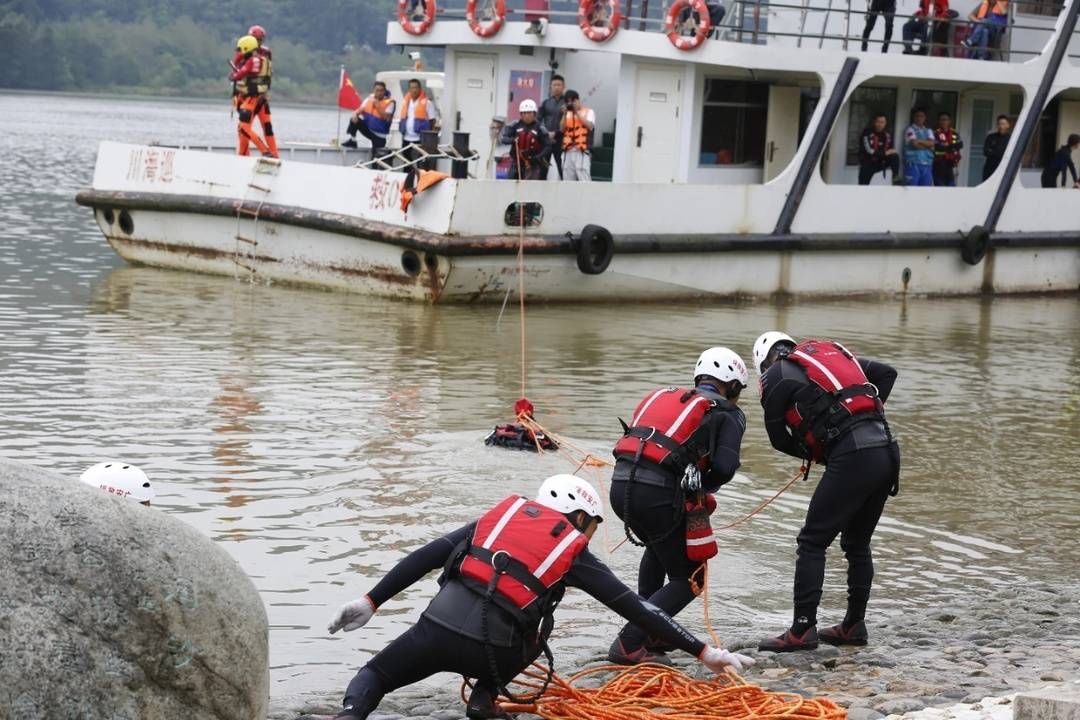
{"x":114,"y":611}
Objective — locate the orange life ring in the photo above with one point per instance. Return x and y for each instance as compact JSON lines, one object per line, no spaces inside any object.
{"x":598,"y":33}
{"x":684,"y":42}
{"x":489,"y":28}
{"x":416,"y":27}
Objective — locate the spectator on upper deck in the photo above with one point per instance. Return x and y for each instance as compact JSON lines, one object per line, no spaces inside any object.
{"x":876,"y":151}
{"x":994,"y":146}
{"x":879,"y":7}
{"x":918,"y":150}
{"x":1060,"y":162}
{"x":916,"y":28}
{"x":990,"y":18}
{"x":947,"y":145}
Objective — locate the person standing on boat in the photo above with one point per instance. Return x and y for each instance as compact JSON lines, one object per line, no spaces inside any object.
{"x":918,"y":150}
{"x":373,"y":118}
{"x":947,"y":146}
{"x":530,"y":148}
{"x":262,"y":108}
{"x":417,"y":115}
{"x":824,"y":405}
{"x":503,"y":576}
{"x":551,"y":115}
{"x":1060,"y":163}
{"x":252,"y":80}
{"x":681,"y":445}
{"x":577,"y":126}
{"x":886,"y":8}
{"x":876,"y":151}
{"x":994,"y":146}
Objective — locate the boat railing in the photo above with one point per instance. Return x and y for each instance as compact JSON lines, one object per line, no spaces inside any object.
{"x":836,"y":24}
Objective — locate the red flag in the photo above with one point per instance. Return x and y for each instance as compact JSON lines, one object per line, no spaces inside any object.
{"x":347,"y":97}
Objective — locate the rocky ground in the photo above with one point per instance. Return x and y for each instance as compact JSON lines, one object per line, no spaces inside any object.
{"x":1016,"y":639}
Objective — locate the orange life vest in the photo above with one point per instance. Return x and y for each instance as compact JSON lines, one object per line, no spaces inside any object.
{"x":575,"y":134}
{"x":420,"y":114}
{"x":376,"y":111}
{"x":998,"y":7}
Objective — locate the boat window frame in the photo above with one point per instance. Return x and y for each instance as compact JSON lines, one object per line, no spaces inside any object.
{"x":739,"y":104}
{"x":855,"y":129}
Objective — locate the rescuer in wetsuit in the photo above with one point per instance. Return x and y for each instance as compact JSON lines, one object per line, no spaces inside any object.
{"x":679,"y":443}
{"x":845,"y":429}
{"x":503,"y":575}
{"x":251,"y":83}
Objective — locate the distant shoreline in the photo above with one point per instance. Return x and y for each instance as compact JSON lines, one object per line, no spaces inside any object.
{"x":142,"y":96}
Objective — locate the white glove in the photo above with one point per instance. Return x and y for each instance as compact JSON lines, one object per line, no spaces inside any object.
{"x":353,"y":615}
{"x":691,"y":479}
{"x":716,"y":660}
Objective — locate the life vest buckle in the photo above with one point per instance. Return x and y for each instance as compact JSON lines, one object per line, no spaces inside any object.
{"x":500,"y":561}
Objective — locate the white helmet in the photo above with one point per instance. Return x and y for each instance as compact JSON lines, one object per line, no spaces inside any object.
{"x":567,"y":493}
{"x":765,"y":343}
{"x":723,"y":364}
{"x":121,"y":479}
{"x":527,"y":105}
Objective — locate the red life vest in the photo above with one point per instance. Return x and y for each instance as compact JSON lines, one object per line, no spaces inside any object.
{"x":534,"y":545}
{"x":665,"y":420}
{"x":840,"y":397}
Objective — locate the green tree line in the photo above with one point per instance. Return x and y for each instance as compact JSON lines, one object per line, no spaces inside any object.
{"x":181,"y":48}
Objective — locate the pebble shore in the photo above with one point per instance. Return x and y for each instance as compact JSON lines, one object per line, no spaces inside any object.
{"x":967,"y":661}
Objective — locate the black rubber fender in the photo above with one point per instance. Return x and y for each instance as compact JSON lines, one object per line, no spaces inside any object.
{"x":974,"y":245}
{"x":595,"y":248}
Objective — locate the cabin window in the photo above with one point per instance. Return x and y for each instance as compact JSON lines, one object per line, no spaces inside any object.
{"x":935,"y":102}
{"x":1043,"y":141}
{"x":733,"y":122}
{"x":865,"y":103}
{"x":1051,"y":8}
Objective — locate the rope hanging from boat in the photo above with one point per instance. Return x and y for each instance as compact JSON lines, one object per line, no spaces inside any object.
{"x":648,"y":692}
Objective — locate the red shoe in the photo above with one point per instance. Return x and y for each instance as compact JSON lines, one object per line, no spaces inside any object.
{"x":837,"y":635}
{"x":790,"y":642}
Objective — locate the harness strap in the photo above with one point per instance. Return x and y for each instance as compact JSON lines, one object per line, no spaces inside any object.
{"x":505,"y":564}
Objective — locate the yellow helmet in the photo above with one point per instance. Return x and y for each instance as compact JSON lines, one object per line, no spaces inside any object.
{"x":247,"y":44}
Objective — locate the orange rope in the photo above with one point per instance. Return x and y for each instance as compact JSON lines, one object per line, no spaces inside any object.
{"x":648,"y":692}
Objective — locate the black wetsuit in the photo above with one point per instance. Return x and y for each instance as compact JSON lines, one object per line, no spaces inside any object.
{"x":449,"y":635}
{"x":863,"y":467}
{"x":656,"y":511}
{"x":1059,"y":164}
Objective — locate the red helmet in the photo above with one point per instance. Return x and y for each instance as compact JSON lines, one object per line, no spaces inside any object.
{"x":258,"y":32}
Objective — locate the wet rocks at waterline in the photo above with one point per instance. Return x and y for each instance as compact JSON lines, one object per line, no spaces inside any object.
{"x":110,"y":610}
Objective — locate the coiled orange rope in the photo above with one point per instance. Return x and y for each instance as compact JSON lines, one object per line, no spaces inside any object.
{"x":649,"y":692}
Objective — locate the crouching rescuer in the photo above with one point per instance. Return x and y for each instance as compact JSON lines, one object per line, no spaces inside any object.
{"x":503,"y":576}
{"x":680,"y":447}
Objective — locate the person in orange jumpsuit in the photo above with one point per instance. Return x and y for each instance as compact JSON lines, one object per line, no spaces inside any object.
{"x":251,"y":84}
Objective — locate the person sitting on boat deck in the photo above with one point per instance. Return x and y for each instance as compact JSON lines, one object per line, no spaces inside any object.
{"x":373,"y":118}
{"x":530,"y":149}
{"x":824,"y":405}
{"x":990,"y":18}
{"x":503,"y":576}
{"x":1060,"y":163}
{"x":550,"y":116}
{"x":577,"y":125}
{"x":886,"y":8}
{"x":254,"y":83}
{"x":877,"y":152}
{"x":917,"y":27}
{"x":680,"y":443}
{"x":688,"y":20}
{"x":918,"y":150}
{"x":418,"y":113}
{"x":947,"y":146}
{"x":994,"y":146}
{"x":121,"y":479}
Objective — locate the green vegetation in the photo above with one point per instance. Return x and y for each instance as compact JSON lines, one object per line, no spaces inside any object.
{"x":181,"y":47}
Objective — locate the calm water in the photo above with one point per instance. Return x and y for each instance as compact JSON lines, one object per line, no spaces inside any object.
{"x":320,"y":437}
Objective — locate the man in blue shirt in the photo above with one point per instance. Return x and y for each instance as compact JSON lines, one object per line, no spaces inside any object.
{"x":918,"y":150}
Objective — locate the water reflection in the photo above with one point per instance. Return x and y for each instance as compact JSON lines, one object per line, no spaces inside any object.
{"x":324,"y":436}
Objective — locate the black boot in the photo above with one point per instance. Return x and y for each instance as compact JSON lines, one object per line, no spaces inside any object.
{"x":854,"y":634}
{"x":482,"y":705}
{"x":789,"y":641}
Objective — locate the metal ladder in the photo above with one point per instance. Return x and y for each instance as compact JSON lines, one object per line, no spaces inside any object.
{"x":260,"y":186}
